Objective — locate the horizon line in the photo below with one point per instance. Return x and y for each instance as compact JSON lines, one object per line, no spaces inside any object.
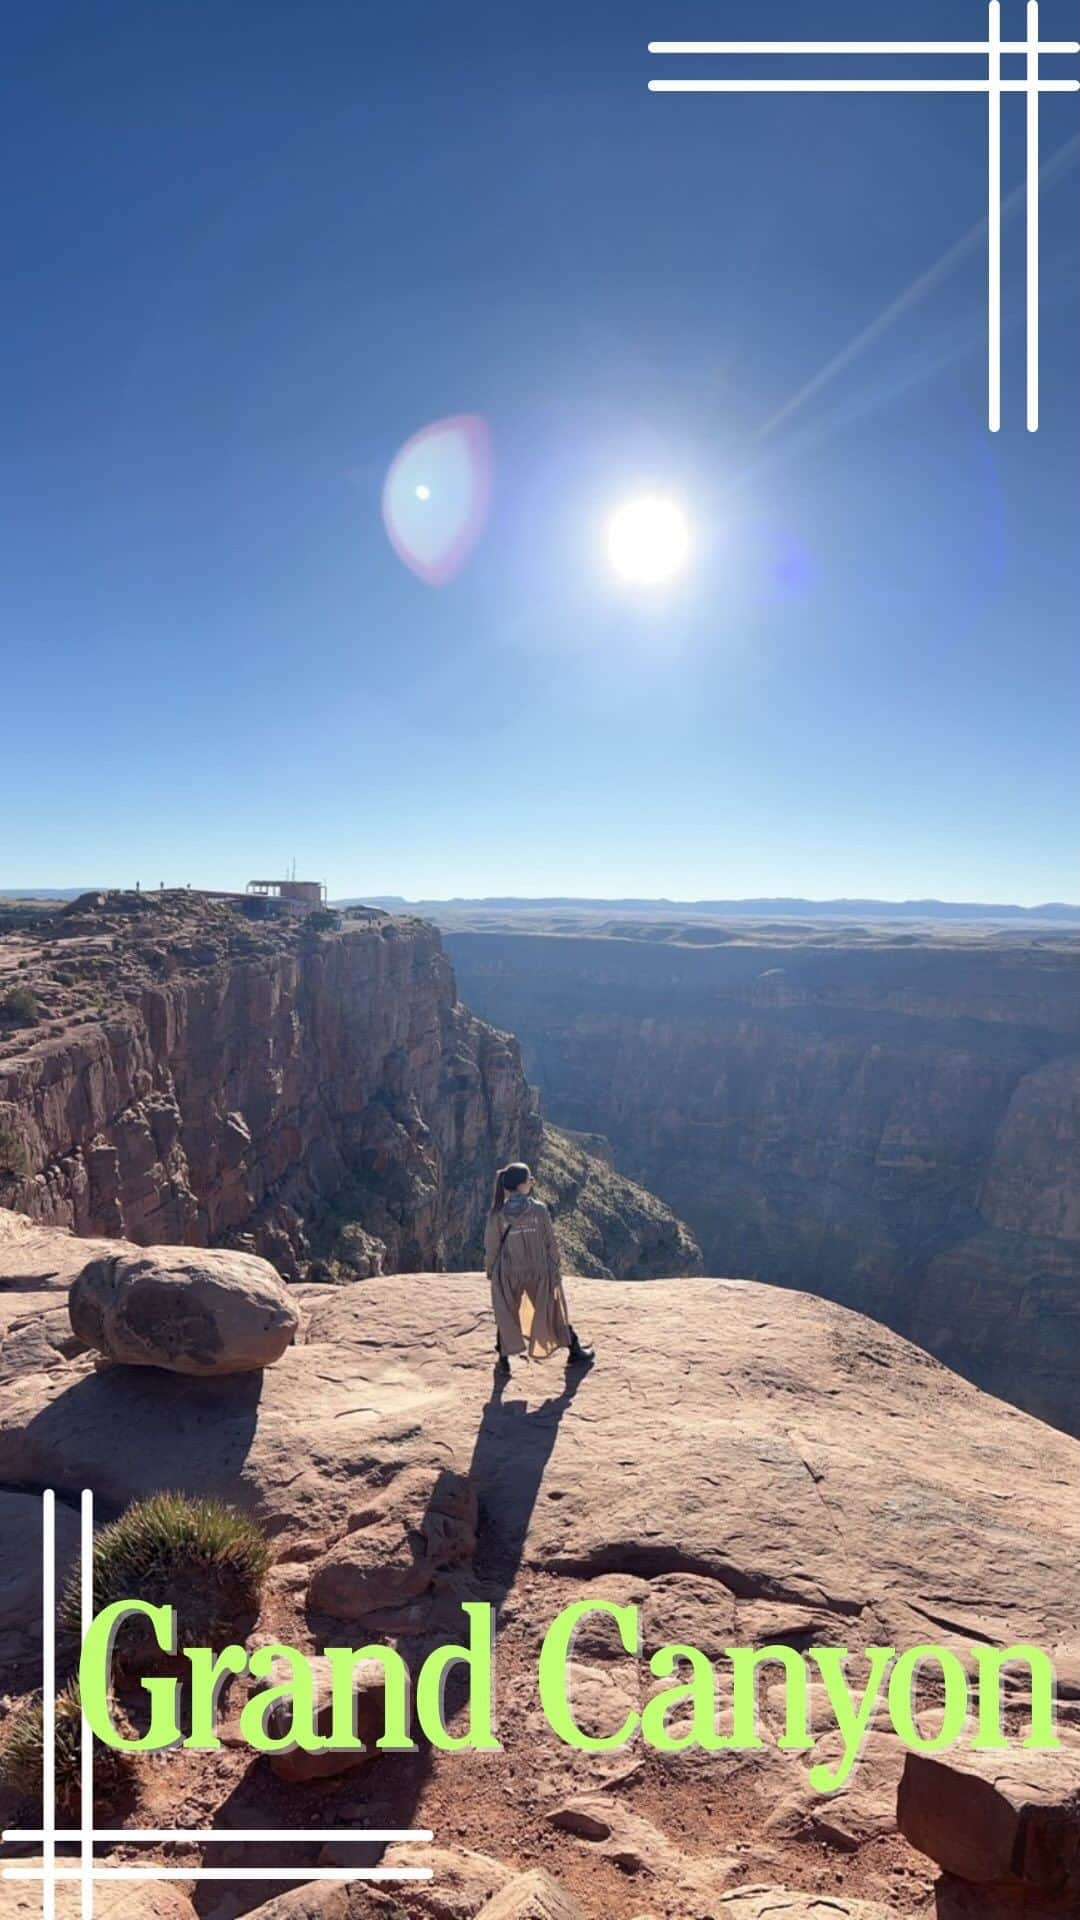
{"x":772,"y":901}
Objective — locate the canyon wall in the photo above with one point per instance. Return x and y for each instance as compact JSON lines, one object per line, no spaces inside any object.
{"x":172,"y":1070}
{"x":608,"y":1226}
{"x":197,"y":1077}
{"x":892,"y":1122}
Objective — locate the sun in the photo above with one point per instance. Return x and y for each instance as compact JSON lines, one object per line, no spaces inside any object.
{"x":648,"y":540}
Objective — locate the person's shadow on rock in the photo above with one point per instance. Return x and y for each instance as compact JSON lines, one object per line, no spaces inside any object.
{"x":513,"y":1446}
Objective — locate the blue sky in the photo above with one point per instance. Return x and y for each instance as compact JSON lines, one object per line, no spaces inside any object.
{"x":250,"y":249}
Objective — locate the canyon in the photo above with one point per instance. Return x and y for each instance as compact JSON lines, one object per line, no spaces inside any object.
{"x":888,"y":1116}
{"x":182,"y":1069}
{"x":747,"y":1465}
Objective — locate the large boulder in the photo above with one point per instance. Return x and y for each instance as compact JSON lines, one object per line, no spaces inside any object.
{"x":188,"y":1311}
{"x":1008,"y":1820}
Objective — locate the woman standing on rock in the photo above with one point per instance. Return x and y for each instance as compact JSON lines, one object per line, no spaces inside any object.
{"x":522,"y":1258}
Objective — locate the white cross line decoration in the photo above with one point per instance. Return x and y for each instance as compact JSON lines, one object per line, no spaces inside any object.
{"x":87,"y":1873}
{"x":993,"y":49}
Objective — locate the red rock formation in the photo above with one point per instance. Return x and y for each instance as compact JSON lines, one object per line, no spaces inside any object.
{"x":309,"y":1090}
{"x":196,"y":1077}
{"x":1005,"y":1826}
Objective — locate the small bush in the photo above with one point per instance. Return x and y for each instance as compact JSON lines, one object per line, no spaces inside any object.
{"x":322,"y":920}
{"x":18,"y":1008}
{"x":13,"y":1155}
{"x":205,"y":1560}
{"x":21,"y":1753}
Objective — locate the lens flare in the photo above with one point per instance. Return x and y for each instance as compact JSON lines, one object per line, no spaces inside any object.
{"x":436,"y":496}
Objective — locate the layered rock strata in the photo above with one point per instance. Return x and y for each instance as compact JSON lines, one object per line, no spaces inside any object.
{"x":893,"y":1122}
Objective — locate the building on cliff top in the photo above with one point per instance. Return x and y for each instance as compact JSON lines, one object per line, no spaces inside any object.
{"x":307,"y":893}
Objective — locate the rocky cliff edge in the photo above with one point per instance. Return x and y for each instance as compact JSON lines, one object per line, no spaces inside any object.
{"x":749,"y":1466}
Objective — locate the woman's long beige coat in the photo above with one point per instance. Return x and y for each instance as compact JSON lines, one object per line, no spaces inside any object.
{"x":522,"y":1258}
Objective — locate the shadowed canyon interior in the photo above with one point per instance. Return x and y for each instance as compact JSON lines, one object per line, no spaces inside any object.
{"x":887,"y":1116}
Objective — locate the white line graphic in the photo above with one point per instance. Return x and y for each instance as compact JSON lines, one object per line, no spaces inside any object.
{"x":1033,"y":218}
{"x":223,"y":1873}
{"x":48,"y":1699}
{"x":992,"y":49}
{"x":86,"y":1744}
{"x":860,"y":86}
{"x":87,"y":1873}
{"x":973,"y":47}
{"x":994,"y":215}
{"x":192,"y":1836}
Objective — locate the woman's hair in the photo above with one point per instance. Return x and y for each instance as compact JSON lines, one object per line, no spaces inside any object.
{"x":508,"y":1180}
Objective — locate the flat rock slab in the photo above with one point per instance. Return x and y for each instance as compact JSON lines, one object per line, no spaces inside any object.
{"x":20,"y":1570}
{"x":791,"y":1453}
{"x":37,"y":1268}
{"x":778,"y":1903}
{"x":425,"y":1521}
{"x":113,"y":1900}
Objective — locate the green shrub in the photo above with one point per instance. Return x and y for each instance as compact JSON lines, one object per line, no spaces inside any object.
{"x":21,"y":1754}
{"x":18,"y":1008}
{"x":13,"y":1155}
{"x":205,"y":1560}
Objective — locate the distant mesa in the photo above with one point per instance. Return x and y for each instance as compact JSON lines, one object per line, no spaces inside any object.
{"x":780,"y":908}
{"x":47,"y":893}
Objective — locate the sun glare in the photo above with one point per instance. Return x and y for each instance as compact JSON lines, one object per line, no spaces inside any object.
{"x":648,"y":540}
